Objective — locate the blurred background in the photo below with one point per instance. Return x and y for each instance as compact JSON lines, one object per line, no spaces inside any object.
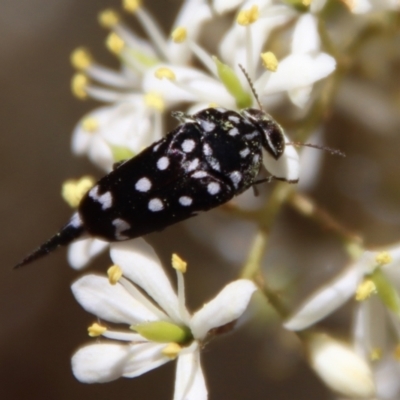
{"x":41,"y":323}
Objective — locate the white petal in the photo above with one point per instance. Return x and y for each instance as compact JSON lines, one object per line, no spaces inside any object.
{"x":141,"y":265}
{"x":144,"y":357}
{"x":305,"y":35}
{"x":340,"y":367}
{"x":287,"y":167}
{"x":81,"y":252}
{"x":361,"y":330}
{"x":106,"y":362}
{"x":299,"y":70}
{"x":222,"y":6}
{"x":227,"y":306}
{"x":100,"y":153}
{"x":325,"y":301}
{"x":311,"y":161}
{"x":189,"y":382}
{"x":386,"y":373}
{"x":80,"y":140}
{"x":300,"y":96}
{"x":110,"y":302}
{"x":100,"y":362}
{"x":370,"y":330}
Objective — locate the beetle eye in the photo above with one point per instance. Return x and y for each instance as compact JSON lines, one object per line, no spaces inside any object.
{"x":274,"y":141}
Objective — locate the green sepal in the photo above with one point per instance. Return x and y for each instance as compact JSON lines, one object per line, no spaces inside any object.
{"x":386,"y":291}
{"x":121,"y":153}
{"x":163,"y":332}
{"x":232,"y":83}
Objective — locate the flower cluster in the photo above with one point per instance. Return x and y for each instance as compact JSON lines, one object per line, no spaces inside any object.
{"x":372,"y":280}
{"x":157,"y":74}
{"x":289,"y":62}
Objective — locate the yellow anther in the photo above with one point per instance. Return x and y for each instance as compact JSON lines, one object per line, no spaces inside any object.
{"x":108,"y":18}
{"x":171,"y":350}
{"x":212,"y":105}
{"x":247,"y":17}
{"x":96,"y":329}
{"x":270,"y":61}
{"x":383,"y":258}
{"x":306,"y":3}
{"x":376,"y":354}
{"x":90,"y":124}
{"x":73,"y":190}
{"x":155,"y":101}
{"x":179,"y":34}
{"x":115,"y":43}
{"x":81,"y":58}
{"x":78,"y":85}
{"x":397,"y":352}
{"x":178,"y":263}
{"x":131,"y":5}
{"x":365,"y":289}
{"x":114,"y":274}
{"x":166,"y":73}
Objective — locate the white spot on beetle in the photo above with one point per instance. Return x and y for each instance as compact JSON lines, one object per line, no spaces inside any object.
{"x":213,"y":188}
{"x":234,"y":119}
{"x":252,"y":135}
{"x":188,"y":145}
{"x":163,"y":163}
{"x":120,"y":226}
{"x":104,"y":199}
{"x":155,"y":205}
{"x":75,"y":221}
{"x":156,"y":147}
{"x":185,"y":201}
{"x":199,"y":174}
{"x":233,"y":132}
{"x":245,"y":152}
{"x":207,"y":150}
{"x":192,"y":165}
{"x":236,"y":177}
{"x":221,"y":110}
{"x":214,"y":164}
{"x":143,"y":185}
{"x":208,"y":126}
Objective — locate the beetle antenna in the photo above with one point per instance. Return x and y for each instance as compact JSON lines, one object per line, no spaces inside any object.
{"x":330,"y":150}
{"x":251,"y":86}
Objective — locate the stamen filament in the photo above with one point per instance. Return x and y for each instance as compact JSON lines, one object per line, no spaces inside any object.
{"x":153,"y":31}
{"x":204,"y":57}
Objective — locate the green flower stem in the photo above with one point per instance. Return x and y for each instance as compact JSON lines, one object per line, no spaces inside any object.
{"x":252,"y":267}
{"x":305,"y":206}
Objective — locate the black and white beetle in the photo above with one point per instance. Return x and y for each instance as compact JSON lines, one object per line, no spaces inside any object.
{"x":211,"y":157}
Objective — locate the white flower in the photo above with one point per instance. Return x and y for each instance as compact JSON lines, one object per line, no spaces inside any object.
{"x":304,"y":66}
{"x":374,"y":279}
{"x":164,"y":329}
{"x":335,"y":293}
